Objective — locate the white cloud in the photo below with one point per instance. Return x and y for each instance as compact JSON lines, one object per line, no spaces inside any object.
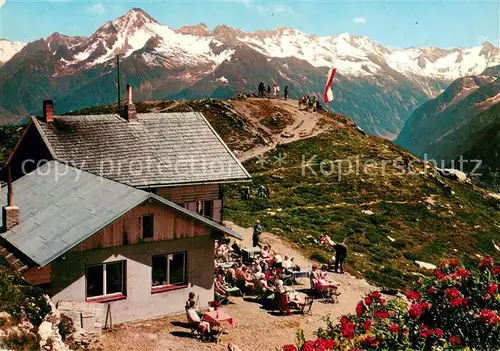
{"x":96,"y":9}
{"x":2,"y":2}
{"x":263,"y":7}
{"x":359,"y":20}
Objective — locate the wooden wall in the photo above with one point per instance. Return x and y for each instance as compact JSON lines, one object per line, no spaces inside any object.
{"x":168,"y":224}
{"x":185,"y":194}
{"x":37,"y":276}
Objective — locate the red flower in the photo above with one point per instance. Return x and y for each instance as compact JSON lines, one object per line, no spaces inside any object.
{"x":440,"y":275}
{"x":442,"y":263}
{"x":463,"y":273}
{"x":382,"y":301}
{"x":459,"y":301}
{"x":394,"y":328}
{"x":455,"y":341}
{"x":290,"y":348}
{"x":486,"y":262}
{"x":348,"y":330}
{"x":425,"y":332}
{"x":382,"y":314}
{"x":431,"y":290}
{"x":453,"y":262}
{"x":438,"y":332}
{"x":344,"y":320}
{"x":415,"y":310}
{"x":413,"y":295}
{"x":308,"y":346}
{"x":425,"y":305}
{"x":405,"y":331}
{"x":488,"y":316}
{"x":452,"y":293}
{"x":496,"y":270}
{"x":330,"y":344}
{"x":360,"y":308}
{"x":368,"y":300}
{"x":375,"y":295}
{"x":320,"y":345}
{"x":367,"y":325}
{"x":492,"y":288}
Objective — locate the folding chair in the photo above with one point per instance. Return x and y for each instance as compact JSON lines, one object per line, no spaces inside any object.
{"x":307,"y":306}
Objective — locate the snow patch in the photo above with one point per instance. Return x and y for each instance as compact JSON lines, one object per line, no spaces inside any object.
{"x":222,"y":80}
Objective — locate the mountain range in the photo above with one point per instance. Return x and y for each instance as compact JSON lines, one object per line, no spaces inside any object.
{"x":462,"y":122}
{"x":379,"y":88}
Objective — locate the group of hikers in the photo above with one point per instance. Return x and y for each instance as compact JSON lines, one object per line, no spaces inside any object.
{"x":262,"y":192}
{"x":266,"y":91}
{"x":310,"y":103}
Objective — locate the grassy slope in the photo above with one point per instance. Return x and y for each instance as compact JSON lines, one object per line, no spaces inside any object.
{"x":414,"y":209}
{"x":311,"y":205}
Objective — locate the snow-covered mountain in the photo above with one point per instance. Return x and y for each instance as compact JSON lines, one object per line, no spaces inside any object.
{"x":9,"y":49}
{"x":196,"y":61}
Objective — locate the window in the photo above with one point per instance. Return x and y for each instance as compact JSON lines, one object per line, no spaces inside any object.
{"x":205,"y":208}
{"x":147,"y":226}
{"x":106,"y":280}
{"x":169,"y":270}
{"x":208,"y":209}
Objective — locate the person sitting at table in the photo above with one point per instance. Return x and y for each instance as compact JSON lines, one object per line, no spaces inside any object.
{"x":194,"y":318}
{"x":324,"y":278}
{"x":223,"y":252}
{"x":287,"y":263}
{"x":231,"y":274}
{"x":244,"y":279}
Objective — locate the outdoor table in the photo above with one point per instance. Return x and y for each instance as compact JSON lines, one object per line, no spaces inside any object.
{"x":302,"y":274}
{"x":217,"y":318}
{"x":226,"y":264}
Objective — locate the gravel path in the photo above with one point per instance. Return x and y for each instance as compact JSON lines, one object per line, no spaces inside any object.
{"x":255,"y":328}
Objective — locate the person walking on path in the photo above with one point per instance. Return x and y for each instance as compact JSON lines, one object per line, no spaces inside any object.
{"x":286,"y":92}
{"x":340,"y":255}
{"x":257,"y":230}
{"x":268,"y":90}
{"x":277,"y":91}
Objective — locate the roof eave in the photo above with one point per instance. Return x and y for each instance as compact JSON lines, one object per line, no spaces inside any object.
{"x":173,"y":185}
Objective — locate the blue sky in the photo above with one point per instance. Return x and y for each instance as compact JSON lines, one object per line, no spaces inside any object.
{"x":395,"y":24}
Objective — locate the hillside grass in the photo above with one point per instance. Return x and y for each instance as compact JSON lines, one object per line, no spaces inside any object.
{"x":425,"y":221}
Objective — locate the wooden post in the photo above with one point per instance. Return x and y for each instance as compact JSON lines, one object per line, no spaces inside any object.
{"x":108,"y":316}
{"x":10,"y":201}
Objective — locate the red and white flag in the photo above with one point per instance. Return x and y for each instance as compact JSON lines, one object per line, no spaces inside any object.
{"x":328,"y":96}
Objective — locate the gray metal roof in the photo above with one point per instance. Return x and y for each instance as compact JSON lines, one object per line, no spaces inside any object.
{"x":161,"y":149}
{"x":61,"y":206}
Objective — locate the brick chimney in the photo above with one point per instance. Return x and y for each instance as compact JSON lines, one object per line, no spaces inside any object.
{"x":48,"y":111}
{"x":128,"y":112}
{"x":10,"y":213}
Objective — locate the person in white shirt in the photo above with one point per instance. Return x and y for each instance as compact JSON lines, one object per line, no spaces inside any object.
{"x":287,"y":263}
{"x":193,"y":317}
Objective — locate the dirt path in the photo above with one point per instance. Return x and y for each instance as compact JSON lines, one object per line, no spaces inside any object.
{"x":305,"y":125}
{"x":255,"y":328}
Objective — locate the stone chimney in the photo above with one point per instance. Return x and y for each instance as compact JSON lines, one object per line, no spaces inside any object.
{"x":48,"y":111}
{"x":128,"y":111}
{"x":10,"y":213}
